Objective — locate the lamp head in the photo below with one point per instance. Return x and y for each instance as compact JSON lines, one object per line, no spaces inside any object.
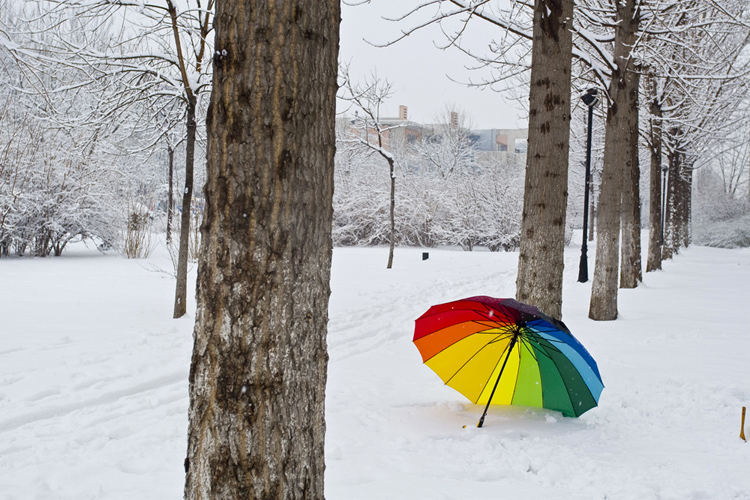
{"x":591,"y":97}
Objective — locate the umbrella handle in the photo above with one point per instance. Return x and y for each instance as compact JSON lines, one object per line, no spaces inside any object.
{"x":510,"y":349}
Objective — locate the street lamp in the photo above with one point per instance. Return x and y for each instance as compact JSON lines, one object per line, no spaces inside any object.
{"x":590,"y":99}
{"x":664,"y":170}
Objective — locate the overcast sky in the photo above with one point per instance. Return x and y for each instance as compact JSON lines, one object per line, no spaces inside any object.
{"x":420,"y":73}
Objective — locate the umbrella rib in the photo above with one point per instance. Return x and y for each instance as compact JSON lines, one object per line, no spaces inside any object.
{"x":496,"y":339}
{"x":493,"y":370}
{"x":543,"y":350}
{"x":527,"y":344}
{"x":481,"y":332}
{"x":567,"y":390}
{"x":509,"y":349}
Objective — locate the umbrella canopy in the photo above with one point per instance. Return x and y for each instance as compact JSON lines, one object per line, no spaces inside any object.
{"x":500,"y":351}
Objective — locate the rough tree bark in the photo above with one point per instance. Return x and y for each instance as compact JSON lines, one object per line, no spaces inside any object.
{"x":540,"y":262}
{"x":258,"y":372}
{"x":655,"y":205}
{"x":617,"y":157}
{"x":631,"y":269}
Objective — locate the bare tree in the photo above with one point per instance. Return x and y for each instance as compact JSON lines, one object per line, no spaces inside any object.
{"x":159,"y":52}
{"x":371,"y":131}
{"x":258,"y":372}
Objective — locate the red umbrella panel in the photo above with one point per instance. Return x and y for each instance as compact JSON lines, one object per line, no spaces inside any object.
{"x":500,"y":351}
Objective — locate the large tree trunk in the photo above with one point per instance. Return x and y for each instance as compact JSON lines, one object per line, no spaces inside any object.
{"x":540,"y":263}
{"x":180,"y":295}
{"x":617,"y":158}
{"x":631,"y":268}
{"x":258,"y":372}
{"x":656,"y":228}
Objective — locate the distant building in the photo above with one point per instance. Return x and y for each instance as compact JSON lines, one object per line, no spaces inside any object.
{"x":502,"y":140}
{"x":400,"y":131}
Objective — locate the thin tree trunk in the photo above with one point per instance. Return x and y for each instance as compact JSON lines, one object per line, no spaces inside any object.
{"x":656,"y":228}
{"x":668,"y":249}
{"x":393,"y":212}
{"x":631,"y":267}
{"x":180,"y":296}
{"x":540,"y":262}
{"x":681,"y":237}
{"x":687,"y":201}
{"x":679,"y":201}
{"x":170,"y":153}
{"x":618,"y":136}
{"x":258,"y":371}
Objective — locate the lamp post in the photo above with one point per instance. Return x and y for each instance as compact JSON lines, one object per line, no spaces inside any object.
{"x":590,"y":99}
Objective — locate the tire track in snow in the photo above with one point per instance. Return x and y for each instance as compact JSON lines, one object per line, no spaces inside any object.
{"x":388,"y":315}
{"x":109,"y":397}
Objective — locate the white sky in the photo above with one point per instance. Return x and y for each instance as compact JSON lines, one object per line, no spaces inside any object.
{"x":417,"y":69}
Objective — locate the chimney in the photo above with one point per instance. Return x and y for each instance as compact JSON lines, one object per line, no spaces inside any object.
{"x":454,"y":119}
{"x":402,"y":113}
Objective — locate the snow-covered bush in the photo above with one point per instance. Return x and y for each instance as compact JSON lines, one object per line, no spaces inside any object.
{"x":470,"y":207}
{"x":721,"y":216}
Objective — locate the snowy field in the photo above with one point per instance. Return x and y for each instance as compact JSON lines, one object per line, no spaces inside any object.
{"x":93,"y":384}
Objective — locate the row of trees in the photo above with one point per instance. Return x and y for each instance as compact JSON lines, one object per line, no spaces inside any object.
{"x":686,"y":59}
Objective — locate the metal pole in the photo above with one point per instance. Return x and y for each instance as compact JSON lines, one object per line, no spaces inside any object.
{"x":510,"y":349}
{"x":663,"y":202}
{"x":583,"y":267}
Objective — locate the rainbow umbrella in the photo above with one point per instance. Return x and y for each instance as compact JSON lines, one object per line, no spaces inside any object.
{"x":503,"y":352}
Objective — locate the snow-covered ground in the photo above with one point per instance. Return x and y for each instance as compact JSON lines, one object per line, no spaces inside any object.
{"x":93,"y":384}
